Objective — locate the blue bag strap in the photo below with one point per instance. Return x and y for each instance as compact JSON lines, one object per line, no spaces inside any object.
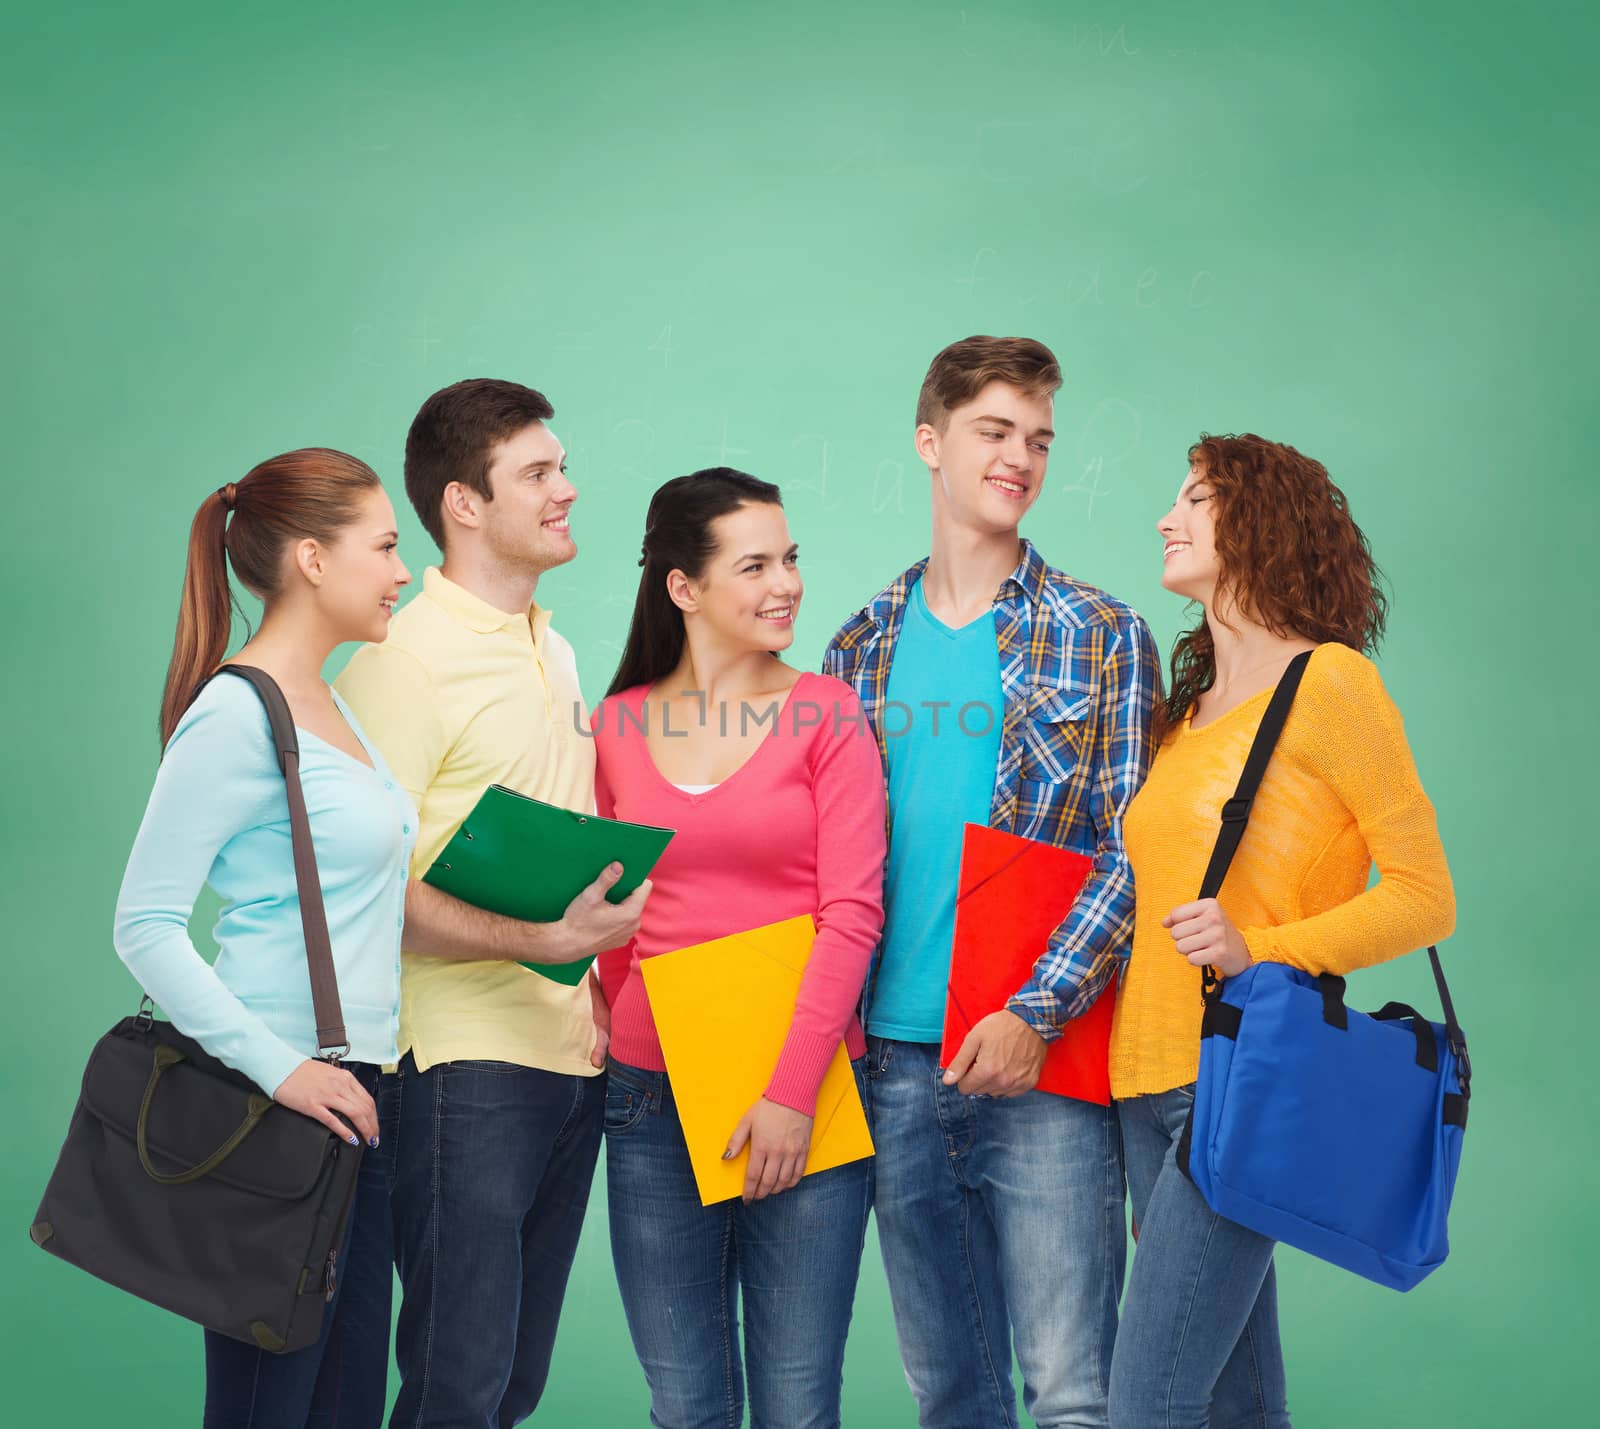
{"x":1456,"y":1038}
{"x":1236,"y":812}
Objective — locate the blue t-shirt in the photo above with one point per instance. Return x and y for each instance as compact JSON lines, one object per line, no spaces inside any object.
{"x":942,"y":722}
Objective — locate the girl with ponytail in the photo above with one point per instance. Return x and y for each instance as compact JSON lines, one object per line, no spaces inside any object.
{"x":312,"y":535}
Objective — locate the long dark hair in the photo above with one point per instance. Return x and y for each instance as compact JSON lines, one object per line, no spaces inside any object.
{"x":1291,"y":557}
{"x":314,"y":492}
{"x":678,"y":537}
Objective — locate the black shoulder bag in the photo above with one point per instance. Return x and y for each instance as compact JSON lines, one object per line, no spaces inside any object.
{"x":184,"y":1183}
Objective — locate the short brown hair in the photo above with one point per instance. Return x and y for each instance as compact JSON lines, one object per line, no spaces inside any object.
{"x":965,"y":368}
{"x":453,"y":434}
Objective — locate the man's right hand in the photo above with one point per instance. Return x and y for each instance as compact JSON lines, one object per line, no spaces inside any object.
{"x":591,"y":925}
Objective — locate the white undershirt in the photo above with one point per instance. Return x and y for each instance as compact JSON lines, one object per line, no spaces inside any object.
{"x":695,"y":788}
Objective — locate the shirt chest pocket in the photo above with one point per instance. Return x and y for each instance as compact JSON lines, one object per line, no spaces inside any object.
{"x":1055,"y":733}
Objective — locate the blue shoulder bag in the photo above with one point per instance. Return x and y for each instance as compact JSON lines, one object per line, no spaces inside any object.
{"x":1334,"y":1131}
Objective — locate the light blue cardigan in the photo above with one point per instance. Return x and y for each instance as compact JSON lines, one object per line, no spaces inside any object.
{"x":219,"y":814}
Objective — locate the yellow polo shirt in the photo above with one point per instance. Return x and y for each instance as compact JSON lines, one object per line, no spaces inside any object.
{"x":460,"y":696}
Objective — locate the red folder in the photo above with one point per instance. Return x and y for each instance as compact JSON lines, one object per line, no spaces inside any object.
{"x":1012,"y":896}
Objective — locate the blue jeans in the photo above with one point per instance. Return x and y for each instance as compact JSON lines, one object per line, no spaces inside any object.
{"x":339,"y":1382}
{"x":998,"y":1218}
{"x":493,"y":1164}
{"x":1199,"y":1342}
{"x":683,"y":1267}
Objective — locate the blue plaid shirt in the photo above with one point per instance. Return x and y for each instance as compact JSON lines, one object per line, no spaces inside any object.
{"x":1081,"y":679}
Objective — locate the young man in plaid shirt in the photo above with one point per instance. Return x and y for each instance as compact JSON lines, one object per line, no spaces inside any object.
{"x":1006,"y":693}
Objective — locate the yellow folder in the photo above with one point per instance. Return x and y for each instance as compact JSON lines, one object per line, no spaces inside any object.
{"x":722,"y":1010}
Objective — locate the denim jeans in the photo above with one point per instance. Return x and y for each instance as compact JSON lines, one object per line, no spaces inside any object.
{"x":999,"y":1219}
{"x":793,"y":1258}
{"x":492,"y":1167}
{"x":1198,"y":1347}
{"x":339,"y":1382}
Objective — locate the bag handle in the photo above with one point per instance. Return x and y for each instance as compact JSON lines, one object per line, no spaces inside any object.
{"x":332,"y":1041}
{"x":256,"y":1108}
{"x":1427,"y":1053}
{"x":1236,"y":812}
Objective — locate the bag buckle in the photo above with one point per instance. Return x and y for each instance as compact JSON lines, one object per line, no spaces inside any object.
{"x":1237,"y":810}
{"x":145,"y":1018}
{"x":1463,"y":1066}
{"x":333,"y":1055}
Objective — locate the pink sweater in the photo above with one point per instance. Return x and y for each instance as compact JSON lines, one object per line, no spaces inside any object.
{"x":798,"y":828}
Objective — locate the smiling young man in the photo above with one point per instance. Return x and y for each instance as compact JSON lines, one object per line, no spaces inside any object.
{"x":1003,"y":692}
{"x":495,"y":1109}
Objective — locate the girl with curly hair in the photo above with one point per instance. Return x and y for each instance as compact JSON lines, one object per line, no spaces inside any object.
{"x":1263,"y":541}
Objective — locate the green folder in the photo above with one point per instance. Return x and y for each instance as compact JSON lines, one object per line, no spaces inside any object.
{"x":526,"y":859}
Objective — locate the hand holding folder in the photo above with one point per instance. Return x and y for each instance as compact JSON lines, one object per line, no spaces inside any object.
{"x":527,"y":859}
{"x":1013,"y":894}
{"x":722,"y":1010}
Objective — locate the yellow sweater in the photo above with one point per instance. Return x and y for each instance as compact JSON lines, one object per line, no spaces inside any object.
{"x":1340,"y":794}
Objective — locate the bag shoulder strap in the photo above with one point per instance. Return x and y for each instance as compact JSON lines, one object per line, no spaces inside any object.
{"x":1236,"y":812}
{"x":332,"y":1042}
{"x":1456,"y":1038}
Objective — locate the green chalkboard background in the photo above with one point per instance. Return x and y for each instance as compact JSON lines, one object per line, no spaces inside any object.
{"x":718,"y":232}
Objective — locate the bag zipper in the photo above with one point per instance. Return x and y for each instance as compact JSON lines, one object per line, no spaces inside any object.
{"x":330,"y":1272}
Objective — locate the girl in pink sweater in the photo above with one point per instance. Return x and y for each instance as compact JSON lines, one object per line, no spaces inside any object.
{"x":774,"y":783}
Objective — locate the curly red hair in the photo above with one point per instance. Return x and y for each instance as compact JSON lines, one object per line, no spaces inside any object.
{"x":1291,"y":557}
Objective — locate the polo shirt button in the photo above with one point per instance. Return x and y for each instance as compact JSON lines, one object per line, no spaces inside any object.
{"x":405,"y":828}
{"x":388,"y":783}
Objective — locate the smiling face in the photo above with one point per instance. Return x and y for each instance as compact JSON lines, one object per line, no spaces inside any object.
{"x":527,"y":524}
{"x":748,"y":596}
{"x":1188,"y":533}
{"x":988,"y":463}
{"x":361,"y":572}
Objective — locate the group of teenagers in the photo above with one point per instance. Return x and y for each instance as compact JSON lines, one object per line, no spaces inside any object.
{"x":982,"y":685}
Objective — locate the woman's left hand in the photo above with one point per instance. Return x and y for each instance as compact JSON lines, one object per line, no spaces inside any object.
{"x":1205,"y":935}
{"x":780,"y":1140}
